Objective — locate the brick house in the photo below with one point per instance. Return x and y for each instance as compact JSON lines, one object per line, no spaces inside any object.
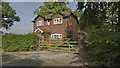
{"x":57,"y":27}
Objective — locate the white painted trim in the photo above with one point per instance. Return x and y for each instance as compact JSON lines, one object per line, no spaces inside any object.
{"x":40,"y":22}
{"x":60,"y":20}
{"x":56,"y":34}
{"x":38,"y":29}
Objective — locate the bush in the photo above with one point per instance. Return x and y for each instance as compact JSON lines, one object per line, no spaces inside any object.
{"x":103,"y":48}
{"x":15,"y":42}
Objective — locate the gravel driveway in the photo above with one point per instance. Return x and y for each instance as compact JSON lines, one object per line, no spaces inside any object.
{"x":39,"y":58}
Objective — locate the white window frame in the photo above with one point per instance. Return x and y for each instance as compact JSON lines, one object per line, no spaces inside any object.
{"x":40,"y":22}
{"x":58,"y":21}
{"x":53,"y":36}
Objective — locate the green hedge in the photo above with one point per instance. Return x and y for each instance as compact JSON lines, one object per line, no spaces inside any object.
{"x":19,"y":42}
{"x":103,"y":48}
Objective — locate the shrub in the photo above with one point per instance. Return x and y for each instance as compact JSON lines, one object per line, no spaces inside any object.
{"x":103,"y":48}
{"x":18,"y":42}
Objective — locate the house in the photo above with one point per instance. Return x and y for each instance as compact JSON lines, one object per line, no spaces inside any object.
{"x":57,"y":27}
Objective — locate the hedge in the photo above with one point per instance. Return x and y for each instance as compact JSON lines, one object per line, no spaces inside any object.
{"x":19,"y":42}
{"x":103,"y":48}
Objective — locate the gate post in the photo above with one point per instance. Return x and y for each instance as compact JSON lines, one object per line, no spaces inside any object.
{"x":40,"y":40}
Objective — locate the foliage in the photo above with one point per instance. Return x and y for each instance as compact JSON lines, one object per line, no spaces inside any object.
{"x":14,"y":42}
{"x":0,"y":15}
{"x":52,"y":7}
{"x":78,"y":15}
{"x":103,"y":47}
{"x":69,"y":34}
{"x":0,"y":41}
{"x":100,"y":20}
{"x":8,"y":16}
{"x":98,"y":14}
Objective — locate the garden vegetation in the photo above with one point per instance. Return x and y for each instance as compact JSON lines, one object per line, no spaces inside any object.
{"x":19,"y":42}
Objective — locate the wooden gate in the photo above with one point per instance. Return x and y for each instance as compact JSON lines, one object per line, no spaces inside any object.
{"x":63,"y":46}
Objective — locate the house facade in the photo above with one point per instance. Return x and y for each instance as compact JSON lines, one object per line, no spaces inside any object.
{"x":57,"y":27}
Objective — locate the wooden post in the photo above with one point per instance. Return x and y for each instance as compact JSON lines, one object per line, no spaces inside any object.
{"x":69,"y":46}
{"x":39,"y":41}
{"x":49,"y":43}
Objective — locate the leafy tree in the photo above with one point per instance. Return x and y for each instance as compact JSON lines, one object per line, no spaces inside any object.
{"x":52,"y":7}
{"x":98,"y":13}
{"x":101,"y":22}
{"x":91,"y":14}
{"x":0,"y":15}
{"x":78,"y":15}
{"x":9,"y":16}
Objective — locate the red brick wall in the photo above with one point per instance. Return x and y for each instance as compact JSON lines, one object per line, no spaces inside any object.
{"x":74,"y":27}
{"x":59,"y":28}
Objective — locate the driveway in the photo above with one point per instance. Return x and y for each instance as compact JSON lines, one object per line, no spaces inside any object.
{"x":39,"y":58}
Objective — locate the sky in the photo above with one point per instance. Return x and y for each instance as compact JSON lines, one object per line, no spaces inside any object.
{"x":26,"y":12}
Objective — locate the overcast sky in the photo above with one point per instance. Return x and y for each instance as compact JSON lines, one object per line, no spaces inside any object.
{"x":26,"y":12}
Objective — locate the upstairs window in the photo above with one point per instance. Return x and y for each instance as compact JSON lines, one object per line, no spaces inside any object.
{"x":58,"y":21}
{"x":56,"y":36}
{"x":39,"y":23}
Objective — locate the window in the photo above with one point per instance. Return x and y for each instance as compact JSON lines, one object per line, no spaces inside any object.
{"x":58,"y":21}
{"x":56,"y":36}
{"x":40,"y":23}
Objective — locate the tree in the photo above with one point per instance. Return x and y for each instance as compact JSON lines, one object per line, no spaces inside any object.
{"x":101,"y":22}
{"x":78,"y":15}
{"x":52,"y":7}
{"x":0,"y":15}
{"x":96,"y":14}
{"x":9,"y":16}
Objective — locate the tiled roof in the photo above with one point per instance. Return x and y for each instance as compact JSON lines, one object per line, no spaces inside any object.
{"x":49,"y":16}
{"x":65,"y":13}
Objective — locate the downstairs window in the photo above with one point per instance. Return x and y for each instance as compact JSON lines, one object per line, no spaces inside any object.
{"x":56,"y":36}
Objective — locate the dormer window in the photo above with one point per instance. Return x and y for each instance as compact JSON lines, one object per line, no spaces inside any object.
{"x":39,"y":23}
{"x":58,"y":21}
